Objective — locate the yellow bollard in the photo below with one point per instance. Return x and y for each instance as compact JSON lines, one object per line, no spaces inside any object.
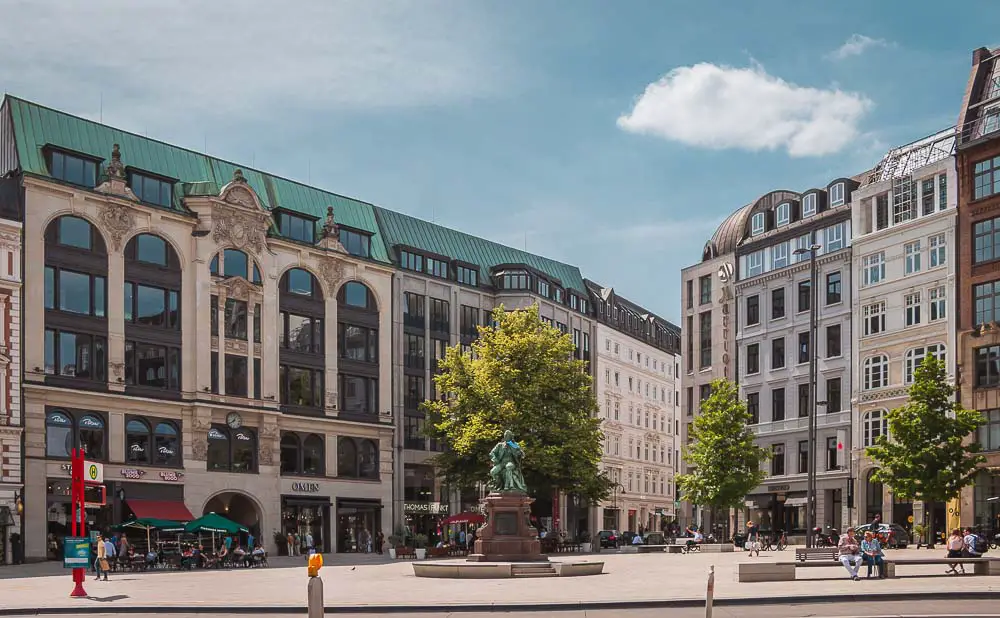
{"x":314,"y":592}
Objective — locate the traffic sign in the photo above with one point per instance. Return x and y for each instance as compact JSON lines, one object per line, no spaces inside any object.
{"x":93,"y":472}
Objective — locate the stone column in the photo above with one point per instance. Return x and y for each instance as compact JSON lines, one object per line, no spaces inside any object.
{"x":332,"y":329}
{"x":116,"y":320}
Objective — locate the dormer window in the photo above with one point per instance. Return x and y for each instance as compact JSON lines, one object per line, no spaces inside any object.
{"x":514,"y":280}
{"x":297,"y":228}
{"x":356,"y":243}
{"x":411,"y":261}
{"x":73,"y":169}
{"x":574,"y":302}
{"x":757,"y":224}
{"x":152,"y":190}
{"x":783,"y":214}
{"x":809,"y":205}
{"x":437,"y":268}
{"x":558,"y":295}
{"x":837,"y":194}
{"x":543,"y":288}
{"x":466,"y":275}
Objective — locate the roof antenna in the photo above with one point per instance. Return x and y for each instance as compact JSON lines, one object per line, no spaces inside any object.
{"x":206,"y":142}
{"x":525,"y":240}
{"x":309,"y":172}
{"x":102,"y":107}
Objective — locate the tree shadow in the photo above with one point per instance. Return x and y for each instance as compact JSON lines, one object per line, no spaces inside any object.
{"x":110,"y":599}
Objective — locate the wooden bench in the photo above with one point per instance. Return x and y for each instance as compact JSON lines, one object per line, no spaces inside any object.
{"x":406,"y":552}
{"x":648,"y":549}
{"x":811,"y":555}
{"x":565,"y":548}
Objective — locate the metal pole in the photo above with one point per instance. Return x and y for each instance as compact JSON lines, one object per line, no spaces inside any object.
{"x":710,"y":591}
{"x":811,"y":477}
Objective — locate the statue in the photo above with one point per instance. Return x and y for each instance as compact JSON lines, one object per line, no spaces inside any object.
{"x":330,"y":229}
{"x":506,"y":458}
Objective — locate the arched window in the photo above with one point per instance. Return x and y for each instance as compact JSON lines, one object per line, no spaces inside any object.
{"x":358,"y":342}
{"x":300,"y":340}
{"x":218,"y":449}
{"x":874,"y":426}
{"x":244,"y":450}
{"x":290,"y":454}
{"x":75,"y":300}
{"x":138,"y":442}
{"x":873,"y":496}
{"x":232,"y":451}
{"x":152,"y":315}
{"x":235,"y":263}
{"x":313,"y":455}
{"x":368,"y":460}
{"x":347,"y":458}
{"x":92,"y":436}
{"x":166,"y":445}
{"x":876,"y":372}
{"x":58,"y":434}
{"x":916,"y":356}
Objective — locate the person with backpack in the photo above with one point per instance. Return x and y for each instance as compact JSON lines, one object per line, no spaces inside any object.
{"x":974,"y":545}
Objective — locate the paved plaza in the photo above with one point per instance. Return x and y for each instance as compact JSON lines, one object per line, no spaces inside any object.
{"x":367,"y":581}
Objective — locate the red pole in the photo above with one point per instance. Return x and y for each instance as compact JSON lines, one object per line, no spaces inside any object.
{"x":79,"y":521}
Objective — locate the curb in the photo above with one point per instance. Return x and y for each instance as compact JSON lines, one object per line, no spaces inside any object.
{"x":497,"y":607}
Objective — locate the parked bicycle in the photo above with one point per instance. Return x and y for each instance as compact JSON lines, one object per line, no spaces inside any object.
{"x":776,"y":542}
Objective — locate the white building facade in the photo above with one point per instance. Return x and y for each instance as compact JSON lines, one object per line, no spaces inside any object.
{"x":638,"y":361}
{"x":11,"y":452}
{"x":903,"y":298}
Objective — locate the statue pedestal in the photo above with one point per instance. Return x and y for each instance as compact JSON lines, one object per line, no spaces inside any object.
{"x":508,"y":535}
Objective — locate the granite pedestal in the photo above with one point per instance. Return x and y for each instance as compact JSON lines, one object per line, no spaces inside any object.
{"x":508,"y":535}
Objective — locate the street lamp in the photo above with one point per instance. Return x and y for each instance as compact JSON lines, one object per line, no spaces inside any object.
{"x":614,"y":504}
{"x":811,"y":478}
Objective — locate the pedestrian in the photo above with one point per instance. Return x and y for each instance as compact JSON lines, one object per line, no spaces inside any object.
{"x":290,"y":542}
{"x":298,"y":544}
{"x":753,"y":538}
{"x":972,"y":549}
{"x":849,"y":554}
{"x":956,"y":543}
{"x":310,"y":547}
{"x":379,"y":541}
{"x":102,"y":564}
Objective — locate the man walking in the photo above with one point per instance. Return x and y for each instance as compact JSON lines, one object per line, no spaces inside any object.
{"x":849,"y":552}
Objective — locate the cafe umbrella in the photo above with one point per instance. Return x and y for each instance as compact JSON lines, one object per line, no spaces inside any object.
{"x":152,"y":523}
{"x":215,"y":524}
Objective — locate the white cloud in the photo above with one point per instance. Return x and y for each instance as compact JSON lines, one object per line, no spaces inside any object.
{"x":856,"y":45}
{"x":723,"y":107}
{"x":246,"y":59}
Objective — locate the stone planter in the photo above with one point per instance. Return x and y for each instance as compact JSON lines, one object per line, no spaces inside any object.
{"x":421,"y":553}
{"x":586,"y":547}
{"x":392,"y":553}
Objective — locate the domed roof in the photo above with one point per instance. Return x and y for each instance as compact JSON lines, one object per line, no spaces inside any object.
{"x":728,"y":234}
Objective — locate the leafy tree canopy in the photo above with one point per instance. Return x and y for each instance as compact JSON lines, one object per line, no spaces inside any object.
{"x":724,"y":459}
{"x":519,"y":375}
{"x":926,"y":455}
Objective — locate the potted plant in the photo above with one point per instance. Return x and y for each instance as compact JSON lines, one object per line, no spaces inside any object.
{"x":420,"y":545}
{"x":281,"y":541}
{"x":585,"y":545}
{"x":395,"y":540}
{"x":919,"y":530}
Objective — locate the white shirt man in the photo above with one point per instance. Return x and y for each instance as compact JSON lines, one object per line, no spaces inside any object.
{"x":849,"y":552}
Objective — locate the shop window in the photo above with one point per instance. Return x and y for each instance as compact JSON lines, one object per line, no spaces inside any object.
{"x":302,"y":456}
{"x":158,"y":447}
{"x":232,"y":451}
{"x":357,"y":458}
{"x":59,"y":433}
{"x":138,"y":442}
{"x":166,"y":445}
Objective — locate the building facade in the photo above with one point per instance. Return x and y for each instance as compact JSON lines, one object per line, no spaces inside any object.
{"x":978,"y":172}
{"x":203,"y":337}
{"x":11,"y":433}
{"x":708,"y":332}
{"x":446,"y":285}
{"x":774,"y":299}
{"x":637,"y":366}
{"x":903,"y":303}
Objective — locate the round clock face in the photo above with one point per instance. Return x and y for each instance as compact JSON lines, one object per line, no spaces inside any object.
{"x":234,"y":421}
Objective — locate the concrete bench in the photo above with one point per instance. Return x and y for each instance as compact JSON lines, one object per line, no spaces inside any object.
{"x":648,"y":549}
{"x":816,"y":554}
{"x":675,"y":549}
{"x":980,"y":566}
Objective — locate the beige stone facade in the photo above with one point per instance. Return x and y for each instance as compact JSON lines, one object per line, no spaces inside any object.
{"x":11,"y":480}
{"x":232,"y":219}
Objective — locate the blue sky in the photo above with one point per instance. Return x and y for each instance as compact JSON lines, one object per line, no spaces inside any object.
{"x":610,"y":135}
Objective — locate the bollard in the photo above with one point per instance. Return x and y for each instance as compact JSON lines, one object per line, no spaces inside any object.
{"x":314,"y":592}
{"x":709,"y":594}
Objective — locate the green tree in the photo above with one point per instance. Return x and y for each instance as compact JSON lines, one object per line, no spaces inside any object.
{"x":519,"y":375}
{"x":725,"y":461}
{"x":926,"y":455}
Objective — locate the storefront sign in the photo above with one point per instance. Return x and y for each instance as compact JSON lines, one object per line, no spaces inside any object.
{"x":309,"y":488}
{"x":66,"y":467}
{"x":76,"y":552}
{"x":726,"y":272}
{"x":774,"y":488}
{"x":171,"y":476}
{"x":429,"y":508}
{"x":132,"y":473}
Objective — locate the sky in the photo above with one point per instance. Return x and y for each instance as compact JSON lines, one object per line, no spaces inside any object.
{"x":614,"y":136}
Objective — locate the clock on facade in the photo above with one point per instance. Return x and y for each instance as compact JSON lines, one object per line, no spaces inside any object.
{"x":234,"y":420}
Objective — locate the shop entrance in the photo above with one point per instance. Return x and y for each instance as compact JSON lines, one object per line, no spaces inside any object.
{"x":357,"y":523}
{"x":309,"y":518}
{"x":238,"y":507}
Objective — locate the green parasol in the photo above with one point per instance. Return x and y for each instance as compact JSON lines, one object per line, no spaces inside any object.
{"x":152,"y":523}
{"x":216,"y":524}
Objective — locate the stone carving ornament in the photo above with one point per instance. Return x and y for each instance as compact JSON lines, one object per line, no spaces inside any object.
{"x":244,"y":232}
{"x":199,"y":449}
{"x":266,"y":454}
{"x":332,"y":272}
{"x":269,"y":431}
{"x":117,"y":221}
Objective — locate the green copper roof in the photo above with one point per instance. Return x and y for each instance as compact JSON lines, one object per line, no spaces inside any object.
{"x":36,"y":126}
{"x":400,"y":229}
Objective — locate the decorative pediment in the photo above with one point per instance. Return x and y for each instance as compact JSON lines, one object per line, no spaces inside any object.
{"x":115,"y":179}
{"x":329,"y":236}
{"x":238,"y":192}
{"x":238,"y":288}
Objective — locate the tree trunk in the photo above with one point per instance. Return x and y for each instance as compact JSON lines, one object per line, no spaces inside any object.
{"x":929,"y":518}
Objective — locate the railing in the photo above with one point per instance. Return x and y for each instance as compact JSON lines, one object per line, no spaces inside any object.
{"x":984,"y":126}
{"x":414,"y":443}
{"x":413,"y":361}
{"x":802,"y":424}
{"x":414,"y":321}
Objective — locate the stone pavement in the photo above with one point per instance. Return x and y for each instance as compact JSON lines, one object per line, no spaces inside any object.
{"x":628,"y":578}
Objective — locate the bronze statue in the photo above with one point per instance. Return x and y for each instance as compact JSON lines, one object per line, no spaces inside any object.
{"x":506,"y":457}
{"x":330,"y":228}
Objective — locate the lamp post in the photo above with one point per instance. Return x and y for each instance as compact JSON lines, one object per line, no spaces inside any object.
{"x":614,"y":504}
{"x":811,"y":477}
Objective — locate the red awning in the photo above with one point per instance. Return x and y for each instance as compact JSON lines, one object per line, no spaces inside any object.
{"x":464,"y":518}
{"x":160,"y":509}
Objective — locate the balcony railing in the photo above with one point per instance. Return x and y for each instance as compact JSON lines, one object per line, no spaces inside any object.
{"x":414,"y":321}
{"x":985,"y":126}
{"x":802,"y":424}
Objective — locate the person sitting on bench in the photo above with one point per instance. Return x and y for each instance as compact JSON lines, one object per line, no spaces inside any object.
{"x":871,"y":549}
{"x":697,"y":540}
{"x":849,"y":553}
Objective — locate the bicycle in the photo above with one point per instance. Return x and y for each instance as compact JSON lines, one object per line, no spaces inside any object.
{"x":782,"y":541}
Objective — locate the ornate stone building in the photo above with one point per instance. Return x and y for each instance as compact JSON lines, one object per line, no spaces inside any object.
{"x":11,"y":464}
{"x":207,"y":333}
